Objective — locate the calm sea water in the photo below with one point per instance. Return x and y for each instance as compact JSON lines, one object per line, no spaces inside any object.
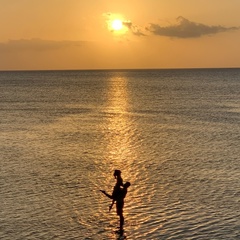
{"x":175,"y":134}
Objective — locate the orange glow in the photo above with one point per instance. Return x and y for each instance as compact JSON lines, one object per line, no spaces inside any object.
{"x":113,"y":35}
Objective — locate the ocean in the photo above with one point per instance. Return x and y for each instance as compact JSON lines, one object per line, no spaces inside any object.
{"x":174,"y":134}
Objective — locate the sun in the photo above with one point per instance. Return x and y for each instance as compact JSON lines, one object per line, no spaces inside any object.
{"x":116,"y":24}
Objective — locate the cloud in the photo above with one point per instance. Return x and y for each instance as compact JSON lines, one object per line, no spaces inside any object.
{"x":187,"y":29}
{"x":133,"y":28}
{"x":38,"y":45}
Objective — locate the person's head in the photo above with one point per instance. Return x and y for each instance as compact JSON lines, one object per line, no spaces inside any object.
{"x":117,"y":173}
{"x":127,"y":184}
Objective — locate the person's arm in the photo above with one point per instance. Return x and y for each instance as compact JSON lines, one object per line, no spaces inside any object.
{"x":108,"y":195}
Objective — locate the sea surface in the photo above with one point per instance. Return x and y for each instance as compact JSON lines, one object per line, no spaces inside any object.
{"x":174,"y":134}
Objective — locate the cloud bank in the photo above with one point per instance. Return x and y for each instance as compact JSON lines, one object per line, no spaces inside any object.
{"x":187,"y":29}
{"x":38,"y":45}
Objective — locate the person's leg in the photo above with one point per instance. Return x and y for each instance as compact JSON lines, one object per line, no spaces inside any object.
{"x":110,"y":206}
{"x":119,"y":206}
{"x":121,"y":222}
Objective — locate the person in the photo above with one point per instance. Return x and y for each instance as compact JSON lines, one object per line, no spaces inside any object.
{"x":119,"y":198}
{"x":118,"y":185}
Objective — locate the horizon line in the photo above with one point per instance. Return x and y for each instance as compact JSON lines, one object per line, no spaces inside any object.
{"x":116,"y":69}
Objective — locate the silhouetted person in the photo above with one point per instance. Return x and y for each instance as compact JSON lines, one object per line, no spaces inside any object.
{"x":119,"y":198}
{"x":117,"y":187}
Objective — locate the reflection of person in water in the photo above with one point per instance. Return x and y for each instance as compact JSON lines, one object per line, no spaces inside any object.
{"x":117,"y":187}
{"x":119,"y":198}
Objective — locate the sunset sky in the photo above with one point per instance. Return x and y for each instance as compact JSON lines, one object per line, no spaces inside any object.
{"x":104,"y":34}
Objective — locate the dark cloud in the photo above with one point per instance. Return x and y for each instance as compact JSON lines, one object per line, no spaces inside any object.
{"x":187,"y":29}
{"x":37,"y":45}
{"x":133,"y":28}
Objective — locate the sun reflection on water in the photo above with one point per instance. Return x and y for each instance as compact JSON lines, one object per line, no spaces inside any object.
{"x":119,"y":126}
{"x":123,"y":150}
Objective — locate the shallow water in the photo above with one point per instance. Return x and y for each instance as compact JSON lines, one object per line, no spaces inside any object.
{"x":175,"y":135}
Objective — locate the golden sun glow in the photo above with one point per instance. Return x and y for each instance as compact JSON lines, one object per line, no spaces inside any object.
{"x":117,"y":25}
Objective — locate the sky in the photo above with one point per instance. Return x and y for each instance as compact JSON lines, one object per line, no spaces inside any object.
{"x":126,"y":34}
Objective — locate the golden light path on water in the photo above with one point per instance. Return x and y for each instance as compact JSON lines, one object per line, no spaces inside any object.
{"x":119,"y":139}
{"x":123,"y":149}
